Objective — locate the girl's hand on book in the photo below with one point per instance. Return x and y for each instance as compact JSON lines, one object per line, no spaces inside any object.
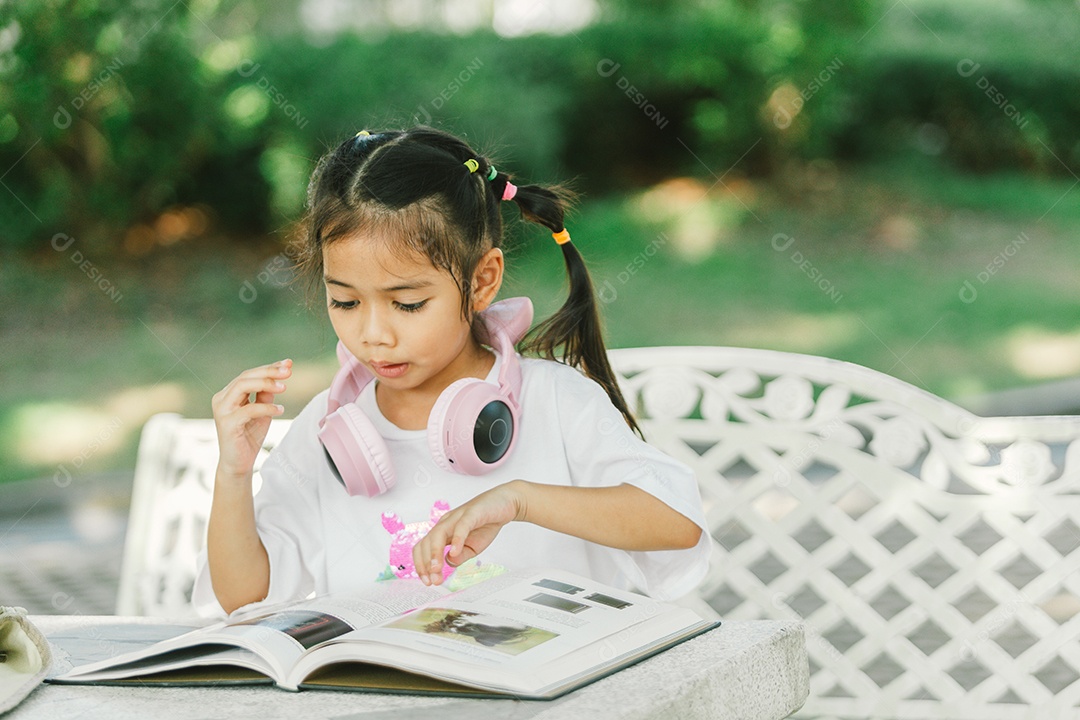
{"x":241,"y":422}
{"x":468,"y":529}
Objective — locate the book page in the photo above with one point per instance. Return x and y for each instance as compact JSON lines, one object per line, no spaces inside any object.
{"x":82,"y":645}
{"x":514,"y":631}
{"x":278,"y":634}
{"x":276,"y":639}
{"x":518,"y":621}
{"x":375,"y":604}
{"x":181,"y":658}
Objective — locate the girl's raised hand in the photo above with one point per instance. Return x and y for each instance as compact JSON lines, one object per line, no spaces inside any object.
{"x":241,"y":422}
{"x":468,"y":529}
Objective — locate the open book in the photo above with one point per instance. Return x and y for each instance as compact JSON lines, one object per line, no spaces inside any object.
{"x":528,"y":635}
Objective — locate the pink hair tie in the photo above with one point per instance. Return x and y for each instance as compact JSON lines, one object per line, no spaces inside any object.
{"x":510,"y":191}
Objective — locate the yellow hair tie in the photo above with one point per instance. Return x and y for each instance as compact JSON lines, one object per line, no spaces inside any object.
{"x":362,"y":132}
{"x":562,"y":237}
{"x":472,"y":165}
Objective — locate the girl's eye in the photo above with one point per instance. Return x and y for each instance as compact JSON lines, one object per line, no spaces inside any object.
{"x":412,"y":307}
{"x":343,"y":305}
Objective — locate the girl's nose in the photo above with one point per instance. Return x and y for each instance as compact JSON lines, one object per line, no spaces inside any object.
{"x":376,"y":329}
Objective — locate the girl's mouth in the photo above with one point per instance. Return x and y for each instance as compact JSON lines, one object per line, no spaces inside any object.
{"x":389,"y":370}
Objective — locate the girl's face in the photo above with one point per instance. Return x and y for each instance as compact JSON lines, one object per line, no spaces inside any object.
{"x":400,"y":317}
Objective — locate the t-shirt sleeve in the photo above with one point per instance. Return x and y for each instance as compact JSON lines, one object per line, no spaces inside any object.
{"x":602,"y":450}
{"x":286,"y":520}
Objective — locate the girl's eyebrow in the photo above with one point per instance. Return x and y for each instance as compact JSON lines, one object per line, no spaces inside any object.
{"x":415,"y":285}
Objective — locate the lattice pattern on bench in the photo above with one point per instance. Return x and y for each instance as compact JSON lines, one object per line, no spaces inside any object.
{"x":932,"y":554}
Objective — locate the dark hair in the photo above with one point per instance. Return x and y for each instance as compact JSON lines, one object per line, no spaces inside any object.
{"x":413,"y":185}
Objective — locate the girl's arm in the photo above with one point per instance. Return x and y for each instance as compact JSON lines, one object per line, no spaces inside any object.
{"x":621,"y":516}
{"x":238,"y":563}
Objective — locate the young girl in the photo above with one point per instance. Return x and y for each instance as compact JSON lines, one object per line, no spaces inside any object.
{"x":404,"y":230}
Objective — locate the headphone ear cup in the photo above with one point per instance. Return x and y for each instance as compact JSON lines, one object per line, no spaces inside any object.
{"x":357,"y":452}
{"x":471,"y":428}
{"x":437,"y":430}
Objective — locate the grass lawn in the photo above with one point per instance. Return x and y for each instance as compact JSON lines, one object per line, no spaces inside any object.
{"x":958,"y":284}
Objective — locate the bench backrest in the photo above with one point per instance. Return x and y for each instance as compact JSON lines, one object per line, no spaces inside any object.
{"x":933,"y":555}
{"x":170,"y":506}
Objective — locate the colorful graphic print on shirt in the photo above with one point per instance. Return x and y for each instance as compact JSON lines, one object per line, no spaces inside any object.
{"x":403,"y":536}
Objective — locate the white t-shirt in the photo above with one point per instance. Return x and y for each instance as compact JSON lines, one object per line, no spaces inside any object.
{"x":320,"y":539}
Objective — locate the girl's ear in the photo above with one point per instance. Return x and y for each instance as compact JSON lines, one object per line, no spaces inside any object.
{"x":487,"y":279}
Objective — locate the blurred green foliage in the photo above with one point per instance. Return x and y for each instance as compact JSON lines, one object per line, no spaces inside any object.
{"x":135,"y":125}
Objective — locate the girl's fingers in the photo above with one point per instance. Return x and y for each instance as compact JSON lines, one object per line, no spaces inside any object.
{"x":278,"y":370}
{"x":238,"y":392}
{"x":466,"y":554}
{"x":424,"y":562}
{"x":264,"y":397}
{"x":275,"y":371}
{"x":459,"y":551}
{"x":243,"y":415}
{"x":428,"y":553}
{"x":280,"y":365}
{"x":264,"y":379}
{"x":445,"y":543}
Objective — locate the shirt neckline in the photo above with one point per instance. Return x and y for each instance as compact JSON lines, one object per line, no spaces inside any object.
{"x":389,"y":430}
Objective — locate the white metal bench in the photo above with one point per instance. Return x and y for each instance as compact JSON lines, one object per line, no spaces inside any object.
{"x":931,"y":554}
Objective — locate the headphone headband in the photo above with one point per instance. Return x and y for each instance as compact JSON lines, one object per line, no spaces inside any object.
{"x":508,"y":321}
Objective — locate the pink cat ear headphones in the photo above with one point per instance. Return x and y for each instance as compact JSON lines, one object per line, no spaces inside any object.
{"x":473,"y":425}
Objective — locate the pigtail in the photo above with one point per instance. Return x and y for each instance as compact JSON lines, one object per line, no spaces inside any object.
{"x":575,"y":328}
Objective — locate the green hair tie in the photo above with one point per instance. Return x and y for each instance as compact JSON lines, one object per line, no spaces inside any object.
{"x":492,"y":172}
